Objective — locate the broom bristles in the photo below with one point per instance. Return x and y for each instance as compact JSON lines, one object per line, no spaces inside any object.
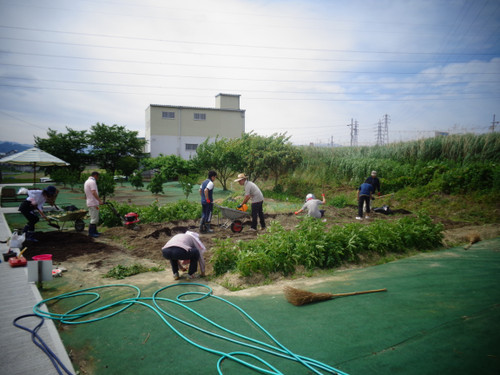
{"x":299,"y":297}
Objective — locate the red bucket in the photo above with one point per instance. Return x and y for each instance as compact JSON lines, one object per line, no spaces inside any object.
{"x":42,"y":257}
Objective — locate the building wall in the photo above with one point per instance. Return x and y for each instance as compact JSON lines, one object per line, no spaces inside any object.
{"x":169,"y":134}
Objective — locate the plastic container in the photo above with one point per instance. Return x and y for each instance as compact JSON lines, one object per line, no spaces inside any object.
{"x":42,"y":257}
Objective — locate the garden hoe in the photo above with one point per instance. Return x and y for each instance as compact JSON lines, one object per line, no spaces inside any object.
{"x":299,"y":297}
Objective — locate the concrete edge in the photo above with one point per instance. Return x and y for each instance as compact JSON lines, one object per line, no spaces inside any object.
{"x":59,"y":349}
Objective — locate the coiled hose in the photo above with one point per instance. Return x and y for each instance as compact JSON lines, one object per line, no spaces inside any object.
{"x":77,"y":316}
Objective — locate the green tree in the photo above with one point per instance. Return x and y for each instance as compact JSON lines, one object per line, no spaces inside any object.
{"x":136,"y":180}
{"x":266,"y":157}
{"x":224,"y":156}
{"x":171,"y":166}
{"x":70,"y":147}
{"x":187,"y":182}
{"x":112,"y":143}
{"x":65,"y":176}
{"x":127,"y":165}
{"x":156,"y":184}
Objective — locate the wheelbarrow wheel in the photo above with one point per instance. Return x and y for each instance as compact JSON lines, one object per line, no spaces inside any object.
{"x":79,"y":225}
{"x":237,"y":226}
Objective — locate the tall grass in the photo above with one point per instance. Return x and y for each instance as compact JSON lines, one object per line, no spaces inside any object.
{"x":463,"y":161}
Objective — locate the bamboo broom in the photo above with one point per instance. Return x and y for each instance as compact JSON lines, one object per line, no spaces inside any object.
{"x":300,"y":297}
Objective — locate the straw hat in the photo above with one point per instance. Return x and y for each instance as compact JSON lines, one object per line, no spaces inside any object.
{"x":241,"y":176}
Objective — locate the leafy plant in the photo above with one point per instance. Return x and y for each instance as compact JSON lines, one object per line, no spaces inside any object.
{"x":120,"y":272}
{"x":311,"y":245}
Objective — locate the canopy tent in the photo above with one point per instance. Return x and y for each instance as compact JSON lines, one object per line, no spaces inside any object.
{"x":35,"y":157}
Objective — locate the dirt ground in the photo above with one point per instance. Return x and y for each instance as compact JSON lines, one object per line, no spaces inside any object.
{"x":88,"y":259}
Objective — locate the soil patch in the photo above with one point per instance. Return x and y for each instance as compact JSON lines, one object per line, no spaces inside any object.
{"x":88,"y":259}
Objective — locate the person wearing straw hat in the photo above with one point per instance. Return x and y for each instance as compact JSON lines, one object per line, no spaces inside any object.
{"x":35,"y":201}
{"x":253,"y":192}
{"x":185,"y":246}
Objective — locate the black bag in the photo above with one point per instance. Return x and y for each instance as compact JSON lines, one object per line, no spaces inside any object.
{"x":383,"y":210}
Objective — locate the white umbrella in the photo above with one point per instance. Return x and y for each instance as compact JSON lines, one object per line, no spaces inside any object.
{"x":33,"y":156}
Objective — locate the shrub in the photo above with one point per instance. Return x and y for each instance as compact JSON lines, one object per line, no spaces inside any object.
{"x":311,"y":245}
{"x":154,"y":213}
{"x":225,"y":256}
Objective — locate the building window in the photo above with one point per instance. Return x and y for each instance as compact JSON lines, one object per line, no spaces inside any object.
{"x":191,"y":146}
{"x":200,"y":116}
{"x":169,"y":115}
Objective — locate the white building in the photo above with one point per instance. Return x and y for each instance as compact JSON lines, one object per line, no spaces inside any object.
{"x":179,"y":130}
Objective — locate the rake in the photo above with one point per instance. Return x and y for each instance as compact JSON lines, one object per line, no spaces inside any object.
{"x":300,"y":297}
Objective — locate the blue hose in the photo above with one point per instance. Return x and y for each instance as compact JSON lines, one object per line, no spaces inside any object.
{"x":184,"y":300}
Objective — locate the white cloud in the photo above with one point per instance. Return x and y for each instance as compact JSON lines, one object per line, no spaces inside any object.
{"x":302,"y":67}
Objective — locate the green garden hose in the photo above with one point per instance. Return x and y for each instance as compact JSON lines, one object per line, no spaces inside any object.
{"x":157,"y":304}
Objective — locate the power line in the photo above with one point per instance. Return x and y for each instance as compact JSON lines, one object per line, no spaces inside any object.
{"x":114,"y":72}
{"x":281,"y":69}
{"x":209,"y":88}
{"x":197,"y":53}
{"x":282,"y":48}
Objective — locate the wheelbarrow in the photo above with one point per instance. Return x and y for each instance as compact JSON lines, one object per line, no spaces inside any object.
{"x":232,"y":218}
{"x":75,"y":216}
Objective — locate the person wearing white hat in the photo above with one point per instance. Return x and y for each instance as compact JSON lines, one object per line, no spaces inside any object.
{"x":185,"y":246}
{"x":312,"y":206}
{"x":252,"y":192}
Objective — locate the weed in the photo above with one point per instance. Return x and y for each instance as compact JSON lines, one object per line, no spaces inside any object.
{"x":120,"y":272}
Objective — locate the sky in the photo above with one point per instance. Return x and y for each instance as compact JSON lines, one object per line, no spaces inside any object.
{"x":307,"y":68}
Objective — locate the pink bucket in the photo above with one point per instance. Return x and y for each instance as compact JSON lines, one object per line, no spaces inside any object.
{"x":42,"y":257}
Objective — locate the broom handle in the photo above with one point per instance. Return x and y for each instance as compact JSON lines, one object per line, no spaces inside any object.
{"x":356,"y":293}
{"x":23,"y":250}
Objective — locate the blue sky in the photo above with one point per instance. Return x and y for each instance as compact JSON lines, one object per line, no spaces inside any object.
{"x":302,"y":67}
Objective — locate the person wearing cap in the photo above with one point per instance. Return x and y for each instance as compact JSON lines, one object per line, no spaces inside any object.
{"x":185,"y":246}
{"x":207,"y":202}
{"x":375,"y":182}
{"x":93,"y":202}
{"x":252,"y":192}
{"x":312,"y":206}
{"x":365,"y":192}
{"x":34,"y":202}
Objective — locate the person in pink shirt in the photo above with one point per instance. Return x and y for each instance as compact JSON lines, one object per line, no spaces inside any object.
{"x":185,"y":246}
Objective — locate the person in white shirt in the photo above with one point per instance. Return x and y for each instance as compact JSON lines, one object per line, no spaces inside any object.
{"x":35,"y":201}
{"x":93,"y":202}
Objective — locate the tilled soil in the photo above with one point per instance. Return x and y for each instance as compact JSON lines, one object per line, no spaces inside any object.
{"x":76,"y":251}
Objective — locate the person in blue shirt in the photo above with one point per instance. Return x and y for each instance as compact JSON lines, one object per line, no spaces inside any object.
{"x":365,"y":192}
{"x":207,"y":202}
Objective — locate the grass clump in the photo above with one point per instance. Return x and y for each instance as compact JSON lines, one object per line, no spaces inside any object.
{"x":120,"y":272}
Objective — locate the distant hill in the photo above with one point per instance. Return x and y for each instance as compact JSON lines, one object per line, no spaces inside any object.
{"x":9,"y":146}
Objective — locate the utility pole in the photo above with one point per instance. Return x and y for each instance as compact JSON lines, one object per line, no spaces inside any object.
{"x":354,"y":132}
{"x":493,"y":123}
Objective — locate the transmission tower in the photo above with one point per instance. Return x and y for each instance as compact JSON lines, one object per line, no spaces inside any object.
{"x":383,"y":131}
{"x":354,"y":132}
{"x":493,"y":123}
